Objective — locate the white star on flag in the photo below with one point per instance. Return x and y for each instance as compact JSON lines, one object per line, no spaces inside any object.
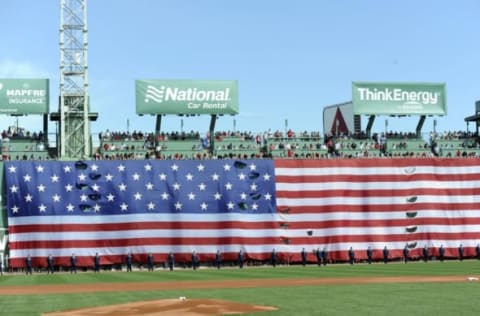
{"x":82,"y":177}
{"x":189,"y":177}
{"x":41,"y":188}
{"x":109,"y":177}
{"x":230,"y":205}
{"x":12,"y":169}
{"x":39,"y":168}
{"x":121,"y":168}
{"x":202,"y":186}
{"x":165,"y":196}
{"x":243,"y":196}
{"x":66,"y":169}
{"x":163,"y":176}
{"x":204,"y":206}
{"x":178,"y":206}
{"x":69,"y":188}
{"x":70,"y":207}
{"x":15,"y":209}
{"x":253,"y":187}
{"x":227,"y":167}
{"x":217,"y":196}
{"x":136,"y":176}
{"x":123,"y":206}
{"x":191,"y":196}
{"x":228,"y":186}
{"x":14,"y":189}
{"x":149,"y":186}
{"x":215,"y":177}
{"x":137,"y":196}
{"x":28,"y":198}
{"x":56,"y":198}
{"x":96,"y":208}
{"x":94,"y":167}
{"x":200,"y":167}
{"x":174,"y":167}
{"x":268,"y":196}
{"x":95,"y":187}
{"x":253,"y":167}
{"x":266,"y":177}
{"x":176,"y":186}
{"x":42,"y":208}
{"x":151,"y":206}
{"x":27,"y":178}
{"x":148,"y":167}
{"x":122,"y":187}
{"x":241,"y":176}
{"x":110,"y":197}
{"x":83,"y":197}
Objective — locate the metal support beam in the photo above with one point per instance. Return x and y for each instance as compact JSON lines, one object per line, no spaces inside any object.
{"x":371,"y":119}
{"x":158,"y":126}
{"x":74,"y":127}
{"x":418,"y":130}
{"x":211,"y":130}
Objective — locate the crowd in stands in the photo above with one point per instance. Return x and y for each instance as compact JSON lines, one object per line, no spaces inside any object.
{"x":16,"y":133}
{"x":308,"y":145}
{"x":19,"y":144}
{"x":150,"y":137}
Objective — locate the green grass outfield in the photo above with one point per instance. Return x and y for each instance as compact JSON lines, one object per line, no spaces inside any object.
{"x":460,"y":298}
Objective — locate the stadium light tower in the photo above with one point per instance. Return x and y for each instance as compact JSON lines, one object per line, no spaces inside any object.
{"x":74,"y":128}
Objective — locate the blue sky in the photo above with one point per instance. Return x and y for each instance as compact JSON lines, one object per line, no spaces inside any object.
{"x":291,"y":58}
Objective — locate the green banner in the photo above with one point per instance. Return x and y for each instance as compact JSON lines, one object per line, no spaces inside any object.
{"x":24,"y":96}
{"x":186,"y":97}
{"x":390,"y":98}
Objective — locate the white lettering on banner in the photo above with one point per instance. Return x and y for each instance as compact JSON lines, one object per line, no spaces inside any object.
{"x":164,"y":94}
{"x":214,"y":106}
{"x":25,"y":93}
{"x":193,"y":105}
{"x":398,"y":95}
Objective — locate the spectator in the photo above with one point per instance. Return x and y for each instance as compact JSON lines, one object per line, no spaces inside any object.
{"x":96,"y":263}
{"x":351,"y":255}
{"x":304,"y":256}
{"x":425,"y":253}
{"x":128,"y":261}
{"x":369,"y":255}
{"x":405,"y":253}
{"x":385,"y":255}
{"x":171,"y":261}
{"x":150,"y":262}
{"x":218,"y":259}
{"x":50,"y":264}
{"x":28,"y":265}
{"x":73,"y":264}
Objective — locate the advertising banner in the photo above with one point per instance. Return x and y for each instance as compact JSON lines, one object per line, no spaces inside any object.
{"x":24,"y":96}
{"x":390,"y":98}
{"x":186,"y":97}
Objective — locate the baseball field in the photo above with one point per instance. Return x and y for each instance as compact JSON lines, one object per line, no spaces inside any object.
{"x":416,"y":288}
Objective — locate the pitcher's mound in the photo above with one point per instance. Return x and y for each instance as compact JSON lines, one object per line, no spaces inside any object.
{"x":170,"y":307}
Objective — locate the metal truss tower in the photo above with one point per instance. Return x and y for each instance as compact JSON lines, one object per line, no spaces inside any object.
{"x":74,"y":138}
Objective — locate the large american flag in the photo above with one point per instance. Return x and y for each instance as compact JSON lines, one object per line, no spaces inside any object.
{"x":180,"y":206}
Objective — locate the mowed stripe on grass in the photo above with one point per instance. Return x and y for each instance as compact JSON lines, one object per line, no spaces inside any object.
{"x":218,"y":284}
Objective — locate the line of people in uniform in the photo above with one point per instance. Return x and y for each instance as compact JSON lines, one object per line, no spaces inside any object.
{"x":320,"y":254}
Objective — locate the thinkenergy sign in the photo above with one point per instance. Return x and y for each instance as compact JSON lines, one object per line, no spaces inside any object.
{"x":24,"y":96}
{"x":399,"y":98}
{"x":186,"y":97}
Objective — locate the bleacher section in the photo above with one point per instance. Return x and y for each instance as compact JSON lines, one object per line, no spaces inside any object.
{"x":24,"y":149}
{"x":307,"y":145}
{"x":248,"y":145}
